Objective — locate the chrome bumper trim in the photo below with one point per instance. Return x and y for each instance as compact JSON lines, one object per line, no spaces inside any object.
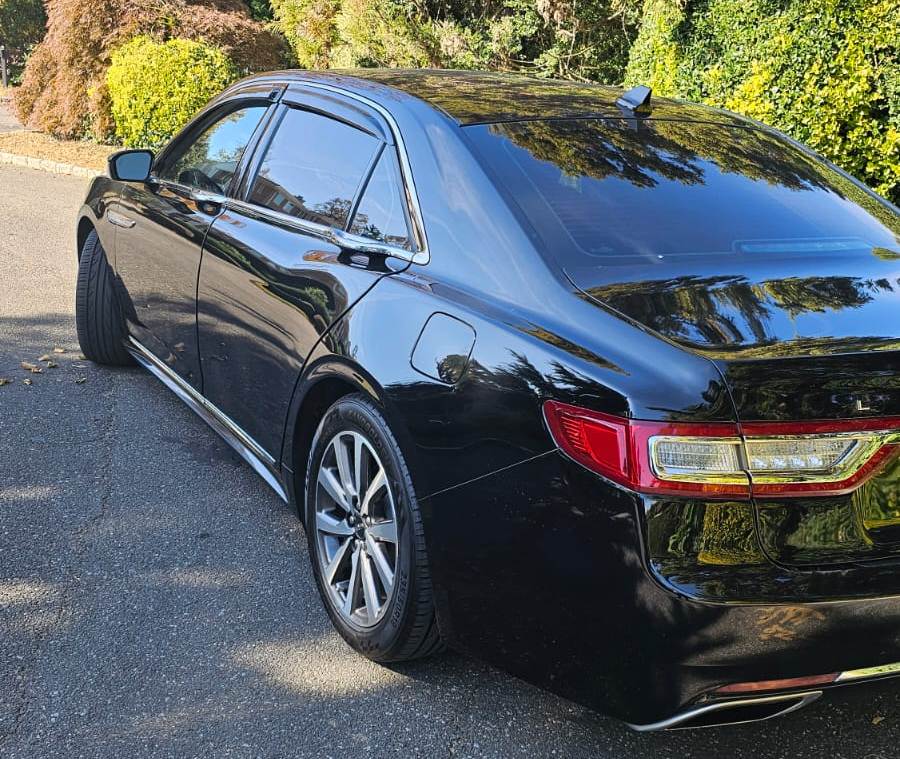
{"x":881,"y":670}
{"x":680,"y":719}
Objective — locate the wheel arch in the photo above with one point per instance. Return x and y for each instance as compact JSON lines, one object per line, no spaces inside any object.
{"x":318,"y":387}
{"x":85,"y":227}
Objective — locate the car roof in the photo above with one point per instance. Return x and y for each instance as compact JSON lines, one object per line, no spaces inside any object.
{"x":477,"y":97}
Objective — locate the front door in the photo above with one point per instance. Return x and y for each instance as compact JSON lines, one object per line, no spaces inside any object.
{"x":163,"y":225}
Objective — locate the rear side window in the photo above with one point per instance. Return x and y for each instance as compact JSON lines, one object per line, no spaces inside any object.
{"x":207,"y":161}
{"x":382,"y":213}
{"x":313,"y":168}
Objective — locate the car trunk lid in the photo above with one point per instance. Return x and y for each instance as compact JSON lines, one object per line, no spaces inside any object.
{"x":796,"y":339}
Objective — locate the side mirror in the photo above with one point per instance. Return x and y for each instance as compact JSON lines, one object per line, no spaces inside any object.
{"x":131,"y":165}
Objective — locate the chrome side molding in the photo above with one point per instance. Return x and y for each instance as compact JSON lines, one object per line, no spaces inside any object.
{"x":716,"y":714}
{"x":248,"y":449}
{"x":119,"y":220}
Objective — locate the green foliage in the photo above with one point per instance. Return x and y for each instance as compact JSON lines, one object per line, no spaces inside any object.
{"x":64,"y":91}
{"x":260,"y":10}
{"x":22,"y":26}
{"x":155,"y":87}
{"x":585,"y":40}
{"x":309,"y":27}
{"x":826,"y":72}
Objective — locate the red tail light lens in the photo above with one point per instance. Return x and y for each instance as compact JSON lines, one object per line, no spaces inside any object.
{"x":722,"y":460}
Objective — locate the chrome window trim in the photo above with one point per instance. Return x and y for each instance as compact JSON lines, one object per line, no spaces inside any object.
{"x":194,"y":193}
{"x":422,"y":254}
{"x":251,"y":451}
{"x":335,"y":236}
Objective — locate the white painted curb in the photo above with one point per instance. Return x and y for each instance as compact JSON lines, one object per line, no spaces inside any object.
{"x":44,"y":164}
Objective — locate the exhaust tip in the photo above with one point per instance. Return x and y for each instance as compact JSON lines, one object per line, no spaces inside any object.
{"x":734,"y":712}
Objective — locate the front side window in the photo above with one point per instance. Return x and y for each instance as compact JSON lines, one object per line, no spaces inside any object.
{"x":313,"y":168}
{"x":382,"y":213}
{"x":209,"y":161}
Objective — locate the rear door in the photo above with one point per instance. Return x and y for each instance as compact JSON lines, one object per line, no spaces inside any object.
{"x":162,"y":224}
{"x":276,"y":271}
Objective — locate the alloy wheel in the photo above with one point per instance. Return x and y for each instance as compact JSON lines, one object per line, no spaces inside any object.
{"x":356,"y":529}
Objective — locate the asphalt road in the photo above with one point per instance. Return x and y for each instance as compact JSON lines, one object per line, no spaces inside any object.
{"x":156,"y":598}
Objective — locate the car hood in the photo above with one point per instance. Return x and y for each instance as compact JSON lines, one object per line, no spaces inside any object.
{"x":746,"y":307}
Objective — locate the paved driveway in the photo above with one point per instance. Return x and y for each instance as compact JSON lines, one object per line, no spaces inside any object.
{"x":8,"y":122}
{"x":156,"y":600}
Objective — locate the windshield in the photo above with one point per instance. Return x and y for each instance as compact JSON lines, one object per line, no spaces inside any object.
{"x":607,"y":192}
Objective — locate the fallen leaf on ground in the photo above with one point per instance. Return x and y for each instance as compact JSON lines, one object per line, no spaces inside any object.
{"x":59,"y":350}
{"x":80,"y":380}
{"x":26,"y":382}
{"x":4,"y":381}
{"x":45,"y":357}
{"x":33,"y":368}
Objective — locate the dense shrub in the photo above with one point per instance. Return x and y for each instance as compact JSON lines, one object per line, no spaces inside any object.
{"x":586,"y":39}
{"x":155,"y":87}
{"x":64,"y":90}
{"x":825,"y":71}
{"x":22,"y":25}
{"x":261,"y":10}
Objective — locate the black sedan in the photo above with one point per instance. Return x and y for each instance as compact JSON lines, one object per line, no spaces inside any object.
{"x":600,"y":388}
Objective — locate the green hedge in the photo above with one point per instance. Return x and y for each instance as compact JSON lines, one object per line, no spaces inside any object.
{"x":155,"y":87}
{"x":825,"y":71}
{"x":577,"y":39}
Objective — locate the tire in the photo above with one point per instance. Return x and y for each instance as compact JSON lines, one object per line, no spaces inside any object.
{"x":405,"y":628}
{"x":98,"y":314}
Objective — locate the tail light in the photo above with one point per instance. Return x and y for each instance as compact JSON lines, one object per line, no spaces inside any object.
{"x":724,"y":460}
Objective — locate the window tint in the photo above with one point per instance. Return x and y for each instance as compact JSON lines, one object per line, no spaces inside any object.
{"x":598,"y":190}
{"x":313,"y":167}
{"x":209,"y":161}
{"x":382,"y":211}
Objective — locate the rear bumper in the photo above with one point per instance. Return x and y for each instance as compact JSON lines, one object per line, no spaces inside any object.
{"x":752,"y":652}
{"x":702,"y":647}
{"x":607,"y":599}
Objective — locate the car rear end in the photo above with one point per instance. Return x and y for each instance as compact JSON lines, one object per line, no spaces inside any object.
{"x":769,"y":535}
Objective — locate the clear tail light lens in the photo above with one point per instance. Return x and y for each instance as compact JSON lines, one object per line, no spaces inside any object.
{"x":724,"y":460}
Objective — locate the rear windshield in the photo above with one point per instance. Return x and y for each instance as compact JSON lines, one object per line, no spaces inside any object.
{"x":599,"y":190}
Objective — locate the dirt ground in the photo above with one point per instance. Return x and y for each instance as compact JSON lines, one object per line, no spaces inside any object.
{"x":15,"y":139}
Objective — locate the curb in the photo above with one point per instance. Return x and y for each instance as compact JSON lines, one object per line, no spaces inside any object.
{"x":44,"y":164}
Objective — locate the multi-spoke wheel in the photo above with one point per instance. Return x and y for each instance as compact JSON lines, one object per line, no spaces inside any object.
{"x":365,"y":534}
{"x":356,"y":528}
